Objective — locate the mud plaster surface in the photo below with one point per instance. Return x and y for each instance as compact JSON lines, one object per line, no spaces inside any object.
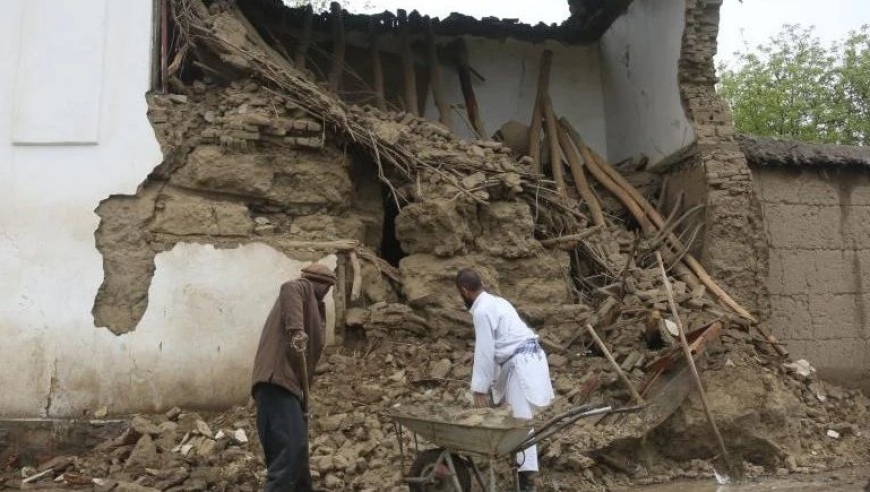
{"x":817,"y":224}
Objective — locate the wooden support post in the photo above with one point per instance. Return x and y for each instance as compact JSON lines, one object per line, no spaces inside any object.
{"x":377,"y":69}
{"x":609,"y":357}
{"x":580,"y":180}
{"x":556,"y":165}
{"x":651,"y":221}
{"x":408,"y":71}
{"x":435,"y":77}
{"x":687,"y":351}
{"x":538,"y":112}
{"x":338,"y":47}
{"x":302,"y":49}
{"x":164,"y":45}
{"x":468,"y":91}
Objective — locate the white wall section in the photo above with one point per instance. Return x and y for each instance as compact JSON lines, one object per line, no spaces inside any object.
{"x":511,"y":70}
{"x":640,"y":56}
{"x":196,"y":341}
{"x":59,"y":80}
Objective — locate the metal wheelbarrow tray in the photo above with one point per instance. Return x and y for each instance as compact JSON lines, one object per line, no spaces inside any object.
{"x":462,"y":435}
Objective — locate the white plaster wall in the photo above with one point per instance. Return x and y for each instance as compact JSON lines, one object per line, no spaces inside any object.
{"x":640,"y":54}
{"x":196,"y":341}
{"x":510,"y":68}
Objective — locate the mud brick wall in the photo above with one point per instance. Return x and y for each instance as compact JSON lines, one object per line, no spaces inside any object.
{"x":817,"y":225}
{"x":717,"y":175}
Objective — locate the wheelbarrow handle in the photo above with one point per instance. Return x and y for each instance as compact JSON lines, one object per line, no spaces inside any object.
{"x":559,"y":422}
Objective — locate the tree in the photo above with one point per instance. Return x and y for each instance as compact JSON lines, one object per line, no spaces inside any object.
{"x":323,"y":5}
{"x":794,"y":87}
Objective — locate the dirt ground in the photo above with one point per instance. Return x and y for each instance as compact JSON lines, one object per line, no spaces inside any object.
{"x":851,"y":480}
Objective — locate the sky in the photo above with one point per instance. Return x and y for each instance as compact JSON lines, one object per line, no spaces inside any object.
{"x":749,"y":21}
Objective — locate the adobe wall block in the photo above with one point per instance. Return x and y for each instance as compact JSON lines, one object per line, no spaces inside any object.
{"x":776,"y":272}
{"x":835,"y":316}
{"x":855,"y":224}
{"x":794,"y":226}
{"x":790,"y":317}
{"x":845,"y":354}
{"x":834,"y":272}
{"x":797,"y":268}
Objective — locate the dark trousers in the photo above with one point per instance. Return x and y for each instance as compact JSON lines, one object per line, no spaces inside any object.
{"x":284,"y":437}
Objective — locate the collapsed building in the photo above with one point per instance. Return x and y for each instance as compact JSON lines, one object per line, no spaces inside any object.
{"x":398,"y":149}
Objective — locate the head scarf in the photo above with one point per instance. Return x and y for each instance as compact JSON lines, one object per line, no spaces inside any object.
{"x":319,"y":273}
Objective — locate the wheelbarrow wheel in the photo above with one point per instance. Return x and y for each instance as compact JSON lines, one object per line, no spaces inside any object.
{"x":425,"y":464}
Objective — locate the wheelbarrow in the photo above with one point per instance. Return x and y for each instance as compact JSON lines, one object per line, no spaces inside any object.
{"x":450,"y":465}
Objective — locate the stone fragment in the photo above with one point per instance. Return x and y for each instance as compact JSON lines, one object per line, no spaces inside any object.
{"x":204,"y":429}
{"x":440,"y":369}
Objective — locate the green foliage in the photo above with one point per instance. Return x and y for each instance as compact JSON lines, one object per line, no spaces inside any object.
{"x":323,"y":5}
{"x":794,"y":87}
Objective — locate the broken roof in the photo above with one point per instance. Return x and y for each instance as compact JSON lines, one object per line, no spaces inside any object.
{"x":588,"y":21}
{"x":764,"y":151}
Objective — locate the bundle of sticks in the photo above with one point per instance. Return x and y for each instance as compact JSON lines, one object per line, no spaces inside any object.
{"x":566,"y":145}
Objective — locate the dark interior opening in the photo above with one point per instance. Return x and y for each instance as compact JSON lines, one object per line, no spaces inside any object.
{"x":391,"y":250}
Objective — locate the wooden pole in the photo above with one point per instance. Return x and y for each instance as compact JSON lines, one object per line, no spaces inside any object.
{"x":435,"y":77}
{"x":609,"y":357}
{"x":409,"y":74}
{"x":302,"y":48}
{"x":164,"y":45}
{"x":356,"y":286}
{"x":338,"y":48}
{"x":556,"y":165}
{"x":468,"y":91}
{"x":538,"y":112}
{"x":687,"y":351}
{"x":377,"y":70}
{"x":580,"y":180}
{"x":652,"y":221}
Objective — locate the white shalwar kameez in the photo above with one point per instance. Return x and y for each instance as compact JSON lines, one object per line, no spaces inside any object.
{"x":509,"y":360}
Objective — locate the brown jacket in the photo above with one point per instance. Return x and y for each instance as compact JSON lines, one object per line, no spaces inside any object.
{"x":296,"y":308}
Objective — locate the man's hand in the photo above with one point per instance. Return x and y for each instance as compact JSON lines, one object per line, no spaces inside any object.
{"x":480,"y":400}
{"x":299,"y":340}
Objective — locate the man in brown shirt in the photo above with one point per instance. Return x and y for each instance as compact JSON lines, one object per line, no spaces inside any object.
{"x":295,"y":324}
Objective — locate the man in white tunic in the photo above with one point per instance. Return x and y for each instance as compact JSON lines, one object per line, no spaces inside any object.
{"x":508,"y":361}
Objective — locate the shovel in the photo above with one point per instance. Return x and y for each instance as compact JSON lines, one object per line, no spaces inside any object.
{"x":306,"y":396}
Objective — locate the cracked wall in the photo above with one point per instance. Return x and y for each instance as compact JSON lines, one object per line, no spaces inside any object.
{"x":817,"y":224}
{"x":240,"y":167}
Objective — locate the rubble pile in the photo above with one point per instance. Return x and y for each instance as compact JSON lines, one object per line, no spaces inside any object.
{"x":270,"y":156}
{"x":353,"y":446}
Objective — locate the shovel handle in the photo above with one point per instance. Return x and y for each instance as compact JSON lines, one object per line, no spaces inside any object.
{"x":304,"y":377}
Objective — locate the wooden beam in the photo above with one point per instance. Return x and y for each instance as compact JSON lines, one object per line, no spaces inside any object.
{"x":609,"y":357}
{"x":687,"y":351}
{"x":580,"y":180}
{"x":538,"y":112}
{"x":471,"y":107}
{"x":338,"y":47}
{"x":556,"y":165}
{"x":409,"y":74}
{"x":377,"y":69}
{"x":435,"y":77}
{"x":302,"y":49}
